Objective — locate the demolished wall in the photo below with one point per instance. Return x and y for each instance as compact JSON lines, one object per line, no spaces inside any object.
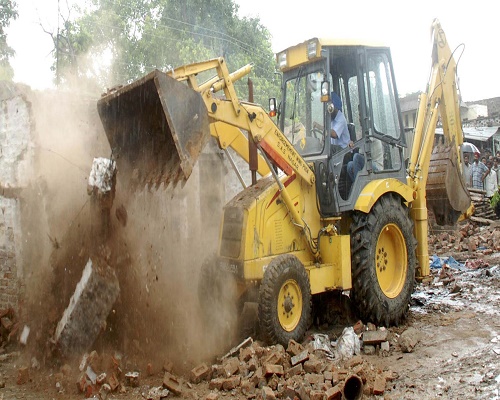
{"x":49,"y":140}
{"x":16,"y":171}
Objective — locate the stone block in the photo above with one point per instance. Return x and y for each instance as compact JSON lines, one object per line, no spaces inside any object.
{"x":88,"y":309}
{"x":374,"y":337}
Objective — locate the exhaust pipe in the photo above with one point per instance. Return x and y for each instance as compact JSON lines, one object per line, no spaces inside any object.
{"x":353,"y":388}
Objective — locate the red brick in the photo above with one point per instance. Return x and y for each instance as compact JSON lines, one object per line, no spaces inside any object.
{"x":247,"y":387}
{"x":379,"y":385}
{"x":216,"y":384}
{"x":23,"y":375}
{"x":113,"y":382}
{"x":300,"y":358}
{"x":81,"y":383}
{"x":271,"y":369}
{"x":132,"y":379}
{"x":231,"y":383}
{"x":328,"y":375}
{"x":335,"y":393}
{"x":356,"y":360}
{"x":274,"y":358}
{"x":200,"y":373}
{"x":313,"y":366}
{"x":268,"y":393}
{"x":168,"y":366}
{"x":294,"y":348}
{"x":231,"y":366}
{"x":314,"y":379}
{"x":317,"y":395}
{"x":246,"y":353}
{"x":295,"y":370}
{"x":172,"y":383}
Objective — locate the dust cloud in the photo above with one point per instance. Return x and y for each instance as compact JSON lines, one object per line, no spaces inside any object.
{"x":157,"y":255}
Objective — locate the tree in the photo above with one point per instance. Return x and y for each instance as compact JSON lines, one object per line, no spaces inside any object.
{"x":132,"y":37}
{"x":8,"y":12}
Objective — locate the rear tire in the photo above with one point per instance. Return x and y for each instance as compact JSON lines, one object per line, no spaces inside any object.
{"x":383,"y":261}
{"x":284,"y":301}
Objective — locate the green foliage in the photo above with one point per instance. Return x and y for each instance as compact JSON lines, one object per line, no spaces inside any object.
{"x":8,"y":12}
{"x":129,"y":38}
{"x":495,"y":199}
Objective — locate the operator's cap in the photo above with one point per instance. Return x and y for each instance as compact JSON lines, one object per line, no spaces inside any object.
{"x":336,"y":100}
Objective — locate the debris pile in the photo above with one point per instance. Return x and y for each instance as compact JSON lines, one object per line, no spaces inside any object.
{"x":482,"y":206}
{"x":471,"y":237}
{"x":9,"y":328}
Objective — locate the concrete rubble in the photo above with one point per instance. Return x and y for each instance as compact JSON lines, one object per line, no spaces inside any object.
{"x":85,"y":317}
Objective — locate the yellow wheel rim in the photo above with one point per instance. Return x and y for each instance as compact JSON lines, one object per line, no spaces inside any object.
{"x":391,"y":261}
{"x":289,"y":305}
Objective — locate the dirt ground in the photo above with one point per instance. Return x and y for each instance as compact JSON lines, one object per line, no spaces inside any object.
{"x":457,"y":352}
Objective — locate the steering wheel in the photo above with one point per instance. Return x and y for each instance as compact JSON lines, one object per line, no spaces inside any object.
{"x":317,"y":133}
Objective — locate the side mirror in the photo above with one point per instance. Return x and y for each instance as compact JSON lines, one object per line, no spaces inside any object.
{"x":272,"y":107}
{"x":325,"y":91}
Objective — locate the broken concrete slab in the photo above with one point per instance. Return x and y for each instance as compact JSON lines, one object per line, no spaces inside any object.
{"x":409,"y":339}
{"x":88,"y":309}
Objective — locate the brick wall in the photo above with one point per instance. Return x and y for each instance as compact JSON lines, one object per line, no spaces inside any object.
{"x":16,"y":170}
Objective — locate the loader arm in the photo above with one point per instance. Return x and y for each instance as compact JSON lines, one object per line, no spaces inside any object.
{"x":274,"y":145}
{"x":158,"y":125}
{"x":436,"y":176}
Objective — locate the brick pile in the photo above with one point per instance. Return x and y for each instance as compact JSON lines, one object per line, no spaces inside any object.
{"x":9,"y":328}
{"x":254,"y":371}
{"x":469,"y":237}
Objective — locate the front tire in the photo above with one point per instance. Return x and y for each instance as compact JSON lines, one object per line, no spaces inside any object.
{"x":284,"y":301}
{"x":383,"y":261}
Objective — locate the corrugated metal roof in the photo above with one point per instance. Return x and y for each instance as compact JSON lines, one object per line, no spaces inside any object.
{"x":480,"y":133}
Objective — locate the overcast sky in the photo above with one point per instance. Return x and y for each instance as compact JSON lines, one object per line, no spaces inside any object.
{"x":402,"y":25}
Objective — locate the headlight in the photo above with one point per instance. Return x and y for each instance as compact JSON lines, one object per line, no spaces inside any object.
{"x":312,"y":48}
{"x":282,"y":60}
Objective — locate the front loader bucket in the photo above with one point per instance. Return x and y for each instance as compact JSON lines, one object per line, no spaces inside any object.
{"x":157,"y":127}
{"x":447,"y":195}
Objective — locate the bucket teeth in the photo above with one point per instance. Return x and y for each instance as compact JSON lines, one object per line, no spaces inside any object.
{"x":157,"y":128}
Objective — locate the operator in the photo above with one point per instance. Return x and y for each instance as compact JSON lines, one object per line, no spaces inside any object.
{"x":358,"y":161}
{"x":340,"y":138}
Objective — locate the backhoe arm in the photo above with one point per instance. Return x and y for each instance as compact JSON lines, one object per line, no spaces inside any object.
{"x":429,"y":171}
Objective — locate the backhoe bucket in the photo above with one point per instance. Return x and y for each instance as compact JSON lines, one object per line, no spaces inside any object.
{"x":447,"y":194}
{"x":157,"y":127}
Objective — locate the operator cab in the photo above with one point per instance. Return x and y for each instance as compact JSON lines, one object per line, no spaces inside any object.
{"x":362,"y":76}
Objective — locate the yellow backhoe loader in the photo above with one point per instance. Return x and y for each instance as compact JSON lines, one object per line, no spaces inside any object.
{"x":305,"y":228}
